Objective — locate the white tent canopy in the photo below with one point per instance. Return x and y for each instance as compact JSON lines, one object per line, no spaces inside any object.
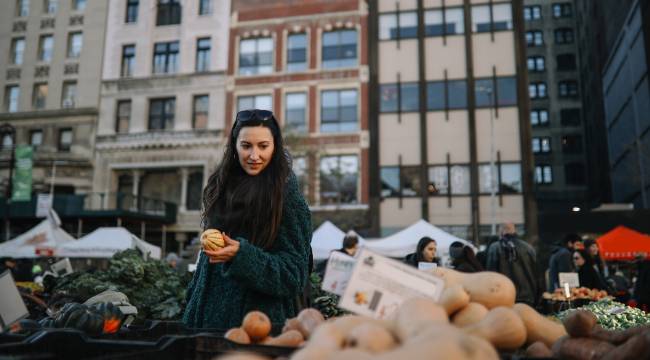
{"x":328,"y":237}
{"x":405,"y":241}
{"x":42,"y":240}
{"x":105,"y":242}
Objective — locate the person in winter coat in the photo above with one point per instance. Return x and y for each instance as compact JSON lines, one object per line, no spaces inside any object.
{"x":592,"y":247}
{"x":425,"y":252}
{"x":587,"y":273}
{"x":253,"y":198}
{"x":463,"y":258}
{"x":515,"y":259}
{"x":561,"y":260}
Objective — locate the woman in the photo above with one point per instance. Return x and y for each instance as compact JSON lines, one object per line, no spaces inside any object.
{"x":463,"y":258}
{"x":586,"y":273}
{"x":254,"y":200}
{"x":592,"y":247}
{"x":425,"y":252}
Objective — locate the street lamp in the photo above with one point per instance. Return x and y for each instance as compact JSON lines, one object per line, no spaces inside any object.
{"x":493,"y":173}
{"x":8,"y":130}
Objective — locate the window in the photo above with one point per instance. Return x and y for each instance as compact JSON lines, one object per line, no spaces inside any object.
{"x":541,"y":145}
{"x":451,"y":24}
{"x":17,"y":50}
{"x":338,"y":179}
{"x":165,"y":58}
{"x":123,"y":116}
{"x":39,"y":97}
{"x":539,"y":117}
{"x":536,"y":64}
{"x":564,"y":36}
{"x":161,"y":114}
{"x":203,"y":55}
{"x":169,"y":12}
{"x":205,"y":7}
{"x":410,"y":181}
{"x":50,"y":6}
{"x":447,"y":95}
{"x":65,"y":139}
{"x":12,"y":94}
{"x":339,"y":49}
{"x":499,"y":18}
{"x":389,"y":181}
{"x":534,"y":38}
{"x":574,"y":173}
{"x":296,"y":52}
{"x":299,"y":165}
{"x":194,"y":191}
{"x":566,"y":62}
{"x":200,"y":112}
{"x":510,"y":181}
{"x":537,"y":90}
{"x":262,"y":102}
{"x":78,"y":5}
{"x":256,"y":56}
{"x":75,"y":42}
{"x":568,"y":88}
{"x":562,"y":10}
{"x":570,"y":117}
{"x":69,"y":94}
{"x":443,"y":179}
{"x":35,"y":138}
{"x":486,"y":180}
{"x":45,"y":45}
{"x":532,"y":12}
{"x":132,"y":11}
{"x":506,"y":92}
{"x":295,"y":115}
{"x":22,"y":8}
{"x":128,"y":60}
{"x":572,"y":144}
{"x":543,"y":174}
{"x":401,"y":25}
{"x":403,"y":98}
{"x":338,"y":111}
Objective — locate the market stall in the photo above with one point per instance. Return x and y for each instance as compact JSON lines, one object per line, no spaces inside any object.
{"x":44,"y":239}
{"x":106,"y":242}
{"x":329,"y":237}
{"x":623,"y":244}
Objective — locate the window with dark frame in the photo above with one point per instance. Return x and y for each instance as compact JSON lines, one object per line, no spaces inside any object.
{"x":536,"y":64}
{"x":165,"y":57}
{"x":75,"y":43}
{"x":65,"y":139}
{"x":562,"y":10}
{"x":537,"y":90}
{"x":339,"y":49}
{"x":295,"y":115}
{"x":299,"y":166}
{"x":69,"y":95}
{"x":205,"y":7}
{"x":572,"y":144}
{"x":45,"y":46}
{"x":168,"y":12}
{"x":78,"y":5}
{"x":447,"y":95}
{"x":496,"y":18}
{"x":574,"y":173}
{"x":297,"y":52}
{"x":534,"y":38}
{"x":339,"y":176}
{"x":568,"y":89}
{"x":203,"y":54}
{"x":564,"y":36}
{"x":256,"y":56}
{"x":128,"y":61}
{"x":194,"y":191}
{"x":543,"y":174}
{"x":50,"y":6}
{"x":161,"y":114}
{"x":22,"y":8}
{"x":566,"y":62}
{"x":505,"y":92}
{"x":398,"y":25}
{"x":17,"y":50}
{"x":437,"y":22}
{"x":12,"y":95}
{"x":36,"y":138}
{"x":399,"y":97}
{"x":532,"y":12}
{"x":123,"y":116}
{"x":541,"y":145}
{"x":339,"y":110}
{"x":570,"y":117}
{"x":263,"y":102}
{"x":132,"y":7}
{"x":200,"y":111}
{"x":539,"y":117}
{"x":39,"y":97}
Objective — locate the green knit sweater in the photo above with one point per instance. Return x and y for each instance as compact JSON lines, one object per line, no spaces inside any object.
{"x":220,"y":295}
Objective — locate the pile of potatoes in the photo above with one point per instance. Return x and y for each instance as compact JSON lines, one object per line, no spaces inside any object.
{"x":475,"y":318}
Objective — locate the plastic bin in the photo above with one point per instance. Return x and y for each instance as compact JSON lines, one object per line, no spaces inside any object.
{"x":154,"y":330}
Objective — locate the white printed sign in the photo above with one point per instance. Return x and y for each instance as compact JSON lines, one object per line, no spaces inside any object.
{"x":570,"y":278}
{"x":426,"y":265}
{"x":379,"y":285}
{"x":338,"y":272}
{"x":43,"y":205}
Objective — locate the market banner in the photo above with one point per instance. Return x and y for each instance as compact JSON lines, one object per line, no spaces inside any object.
{"x":22,"y":179}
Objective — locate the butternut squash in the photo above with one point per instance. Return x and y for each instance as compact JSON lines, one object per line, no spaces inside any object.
{"x":416,"y":314}
{"x":313,"y":352}
{"x":486,"y":287}
{"x":291,"y":338}
{"x":309,"y":319}
{"x":538,"y":327}
{"x":350,"y":354}
{"x":238,"y":335}
{"x":470,"y":314}
{"x":370,"y":337}
{"x":502,"y":327}
{"x":454,"y":298}
{"x":327,"y":335}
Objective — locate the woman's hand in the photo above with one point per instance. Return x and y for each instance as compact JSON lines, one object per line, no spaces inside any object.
{"x":224,"y":254}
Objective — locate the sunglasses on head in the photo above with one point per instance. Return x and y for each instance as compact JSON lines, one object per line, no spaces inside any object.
{"x":248,"y":115}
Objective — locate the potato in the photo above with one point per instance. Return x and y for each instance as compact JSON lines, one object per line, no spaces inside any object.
{"x":539,"y":350}
{"x":291,"y":338}
{"x":637,"y":347}
{"x":580,"y":348}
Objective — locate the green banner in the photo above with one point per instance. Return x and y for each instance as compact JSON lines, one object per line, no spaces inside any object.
{"x":22,"y":181}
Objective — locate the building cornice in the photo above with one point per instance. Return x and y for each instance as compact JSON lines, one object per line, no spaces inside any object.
{"x":159,"y":140}
{"x":41,"y":114}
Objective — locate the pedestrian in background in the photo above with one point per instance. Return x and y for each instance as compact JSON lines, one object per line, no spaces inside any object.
{"x":561,"y":260}
{"x":463,"y":258}
{"x":425,"y":253}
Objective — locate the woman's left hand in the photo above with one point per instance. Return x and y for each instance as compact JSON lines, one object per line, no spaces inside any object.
{"x":224,"y":254}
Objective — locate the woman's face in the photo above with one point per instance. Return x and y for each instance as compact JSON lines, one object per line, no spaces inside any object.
{"x":429,"y":252}
{"x":593,"y":249}
{"x":254,"y":148}
{"x":578,"y":260}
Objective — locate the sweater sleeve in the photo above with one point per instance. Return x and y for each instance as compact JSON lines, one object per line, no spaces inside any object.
{"x":283,"y":270}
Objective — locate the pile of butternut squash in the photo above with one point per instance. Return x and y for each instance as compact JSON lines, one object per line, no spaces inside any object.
{"x":475,"y":318}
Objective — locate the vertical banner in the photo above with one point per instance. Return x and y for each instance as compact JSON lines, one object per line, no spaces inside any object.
{"x":22,"y":181}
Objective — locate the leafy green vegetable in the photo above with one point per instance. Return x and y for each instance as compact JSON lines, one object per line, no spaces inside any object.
{"x":613,"y":315}
{"x":324,"y":301}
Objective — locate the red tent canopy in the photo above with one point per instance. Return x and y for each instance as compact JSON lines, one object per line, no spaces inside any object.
{"x":623,"y":243}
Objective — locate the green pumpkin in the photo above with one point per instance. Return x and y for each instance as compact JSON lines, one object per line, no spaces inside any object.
{"x":81,"y":317}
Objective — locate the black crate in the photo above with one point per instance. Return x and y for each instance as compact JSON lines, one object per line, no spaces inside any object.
{"x":154,"y":330}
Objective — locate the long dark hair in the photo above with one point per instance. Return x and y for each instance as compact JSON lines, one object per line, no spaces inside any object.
{"x":244,"y":204}
{"x":423,"y":243}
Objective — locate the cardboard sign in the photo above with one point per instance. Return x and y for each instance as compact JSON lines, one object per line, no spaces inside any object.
{"x":379,"y":285}
{"x":427,"y":265}
{"x":338,"y":272}
{"x":570,"y":278}
{"x":12,"y":307}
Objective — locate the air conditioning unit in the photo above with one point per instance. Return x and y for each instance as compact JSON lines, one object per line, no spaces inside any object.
{"x":68,"y":103}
